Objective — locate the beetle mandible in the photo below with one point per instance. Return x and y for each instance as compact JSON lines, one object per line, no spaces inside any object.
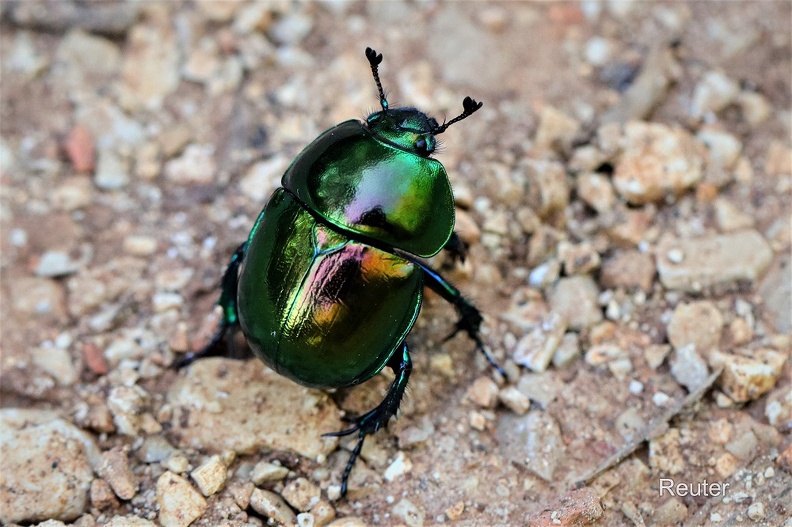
{"x":330,"y":280}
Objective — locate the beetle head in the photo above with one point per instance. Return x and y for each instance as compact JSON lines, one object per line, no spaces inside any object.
{"x":408,"y":128}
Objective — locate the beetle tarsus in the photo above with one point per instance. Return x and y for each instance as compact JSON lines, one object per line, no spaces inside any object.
{"x":351,"y":463}
{"x":470,"y":322}
{"x":376,"y":419}
{"x":456,"y":248}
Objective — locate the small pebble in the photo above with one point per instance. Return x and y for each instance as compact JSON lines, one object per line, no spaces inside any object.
{"x":756,"y":511}
{"x":665,"y":453}
{"x":675,"y":256}
{"x":660,"y":399}
{"x":596,"y":191}
{"x":177,"y":462}
{"x":515,"y":400}
{"x":556,"y":130}
{"x":42,"y":451}
{"x":179,"y":503}
{"x":724,"y":148}
{"x":536,"y":348}
{"x":483,"y":392}
{"x":306,"y":519}
{"x":72,"y":194}
{"x":477,"y":421}
{"x":195,"y":166}
{"x":754,"y":106}
{"x":140,"y":245}
{"x":102,"y":496}
{"x":272,"y":506}
{"x":165,"y":301}
{"x":323,"y":513}
{"x":55,"y":264}
{"x":578,"y":258}
{"x":454,"y":513}
{"x":744,"y":446}
{"x":711,"y":260}
{"x":291,"y":29}
{"x":210,"y":476}
{"x":748,"y":378}
{"x":115,"y":469}
{"x":672,"y":512}
{"x":598,"y":51}
{"x":112,"y":171}
{"x":265,"y":471}
{"x":80,"y":149}
{"x":567,"y":351}
{"x":57,"y":363}
{"x":688,"y":368}
{"x":301,"y":494}
{"x":400,"y":466}
{"x":575,"y":298}
{"x":713,"y":93}
{"x":658,"y":163}
{"x":409,"y":513}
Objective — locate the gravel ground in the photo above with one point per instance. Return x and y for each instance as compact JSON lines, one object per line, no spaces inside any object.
{"x":625,"y":192}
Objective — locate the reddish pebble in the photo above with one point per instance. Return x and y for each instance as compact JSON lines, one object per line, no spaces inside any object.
{"x":566,"y":14}
{"x":784,"y":459}
{"x":706,"y":192}
{"x":80,"y":149}
{"x":94,"y":359}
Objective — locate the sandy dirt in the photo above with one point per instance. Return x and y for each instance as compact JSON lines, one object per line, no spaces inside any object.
{"x":625,"y":192}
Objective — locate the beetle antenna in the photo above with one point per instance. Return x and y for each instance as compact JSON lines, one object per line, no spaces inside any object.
{"x":374,"y":59}
{"x":470,"y":107}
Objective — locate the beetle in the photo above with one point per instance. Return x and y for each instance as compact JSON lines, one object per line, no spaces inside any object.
{"x":330,"y":280}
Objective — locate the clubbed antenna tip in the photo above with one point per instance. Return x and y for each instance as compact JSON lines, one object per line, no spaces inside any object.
{"x":469,"y":107}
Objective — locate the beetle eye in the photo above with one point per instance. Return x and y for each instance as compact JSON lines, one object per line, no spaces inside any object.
{"x":421,"y":146}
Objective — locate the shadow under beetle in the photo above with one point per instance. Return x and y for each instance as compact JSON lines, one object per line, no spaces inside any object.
{"x":330,"y":280}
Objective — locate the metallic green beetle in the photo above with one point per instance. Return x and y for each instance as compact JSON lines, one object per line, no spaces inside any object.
{"x":330,"y":281}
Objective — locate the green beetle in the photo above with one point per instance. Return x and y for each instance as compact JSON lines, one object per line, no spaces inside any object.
{"x":330,"y":280}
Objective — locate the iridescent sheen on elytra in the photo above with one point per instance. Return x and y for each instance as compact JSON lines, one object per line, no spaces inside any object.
{"x":319,"y":304}
{"x":369,"y":187}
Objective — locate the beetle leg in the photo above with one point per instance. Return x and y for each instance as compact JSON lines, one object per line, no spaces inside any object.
{"x":377,"y":418}
{"x":227,"y":300}
{"x":469,"y":316}
{"x":456,"y":248}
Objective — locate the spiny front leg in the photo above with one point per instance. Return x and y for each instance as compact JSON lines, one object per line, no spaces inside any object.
{"x":377,"y":418}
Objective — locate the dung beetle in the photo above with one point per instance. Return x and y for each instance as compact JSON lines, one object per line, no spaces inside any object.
{"x":330,"y":280}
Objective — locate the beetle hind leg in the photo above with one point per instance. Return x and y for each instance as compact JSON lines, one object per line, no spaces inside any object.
{"x":230,"y":321}
{"x":469,"y":316}
{"x":373,"y":420}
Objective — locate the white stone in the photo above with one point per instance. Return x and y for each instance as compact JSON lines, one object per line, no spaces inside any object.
{"x":179,"y":503}
{"x":400,"y":466}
